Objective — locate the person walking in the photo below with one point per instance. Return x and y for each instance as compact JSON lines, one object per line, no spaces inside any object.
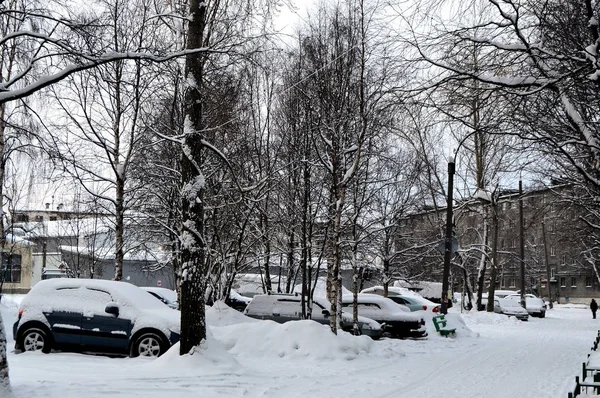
{"x":594,"y":307}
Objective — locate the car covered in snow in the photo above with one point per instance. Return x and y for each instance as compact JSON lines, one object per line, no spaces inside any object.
{"x":237,"y":301}
{"x":535,"y":305}
{"x":510,"y":308}
{"x":394,"y":321}
{"x":167,"y":296}
{"x":283,"y":308}
{"x":94,"y":316}
{"x":405,"y":297}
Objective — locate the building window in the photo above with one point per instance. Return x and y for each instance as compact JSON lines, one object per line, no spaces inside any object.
{"x":563,"y":281}
{"x":588,"y":281}
{"x":552,"y":251}
{"x":552,"y":273}
{"x":20,"y":217}
{"x":52,"y":218}
{"x":11,"y":267}
{"x":511,"y":282}
{"x":39,"y":218}
{"x":573,"y":281}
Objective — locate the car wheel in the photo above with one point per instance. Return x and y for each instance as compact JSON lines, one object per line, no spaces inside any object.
{"x":35,"y":339}
{"x":148,"y":345}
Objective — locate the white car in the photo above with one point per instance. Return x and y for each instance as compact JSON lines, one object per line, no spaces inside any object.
{"x":94,"y":315}
{"x":402,"y":296}
{"x":510,"y":308}
{"x":394,"y":321}
{"x":535,"y":305}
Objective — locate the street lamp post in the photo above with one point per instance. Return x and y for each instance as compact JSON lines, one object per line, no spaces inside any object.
{"x":448,"y":238}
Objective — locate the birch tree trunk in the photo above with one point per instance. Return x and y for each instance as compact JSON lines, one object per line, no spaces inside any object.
{"x":482,"y":262}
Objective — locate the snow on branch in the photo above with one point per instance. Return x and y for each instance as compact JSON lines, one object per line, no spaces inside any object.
{"x":89,"y":62}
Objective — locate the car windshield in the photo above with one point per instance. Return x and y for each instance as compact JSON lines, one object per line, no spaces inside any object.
{"x":137,"y":297}
{"x":170,"y":296}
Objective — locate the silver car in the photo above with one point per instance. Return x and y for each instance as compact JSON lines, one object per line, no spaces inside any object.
{"x":510,"y":308}
{"x":535,"y":305}
{"x":282,"y":308}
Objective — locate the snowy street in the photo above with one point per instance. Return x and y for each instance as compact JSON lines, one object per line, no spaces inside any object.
{"x":492,"y":356}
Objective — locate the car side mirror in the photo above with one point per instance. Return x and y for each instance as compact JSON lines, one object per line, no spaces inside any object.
{"x":325,"y":313}
{"x":112,"y":308}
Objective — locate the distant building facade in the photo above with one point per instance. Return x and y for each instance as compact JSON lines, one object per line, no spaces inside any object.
{"x":555,"y":244}
{"x":57,"y":243}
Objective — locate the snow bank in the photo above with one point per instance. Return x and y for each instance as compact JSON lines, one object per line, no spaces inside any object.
{"x":292,"y":340}
{"x":473,"y":318}
{"x":209,"y":357}
{"x":220,"y":314}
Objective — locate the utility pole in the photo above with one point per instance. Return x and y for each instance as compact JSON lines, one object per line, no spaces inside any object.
{"x":547,"y":263}
{"x":522,"y":244}
{"x":448,"y":239}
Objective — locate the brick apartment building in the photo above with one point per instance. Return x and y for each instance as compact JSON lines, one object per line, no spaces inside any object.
{"x":556,"y":241}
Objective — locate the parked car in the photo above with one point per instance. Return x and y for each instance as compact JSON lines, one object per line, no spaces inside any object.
{"x":94,"y":315}
{"x":503,"y":293}
{"x":535,"y":305}
{"x":511,"y":308}
{"x":412,"y":300}
{"x":484,"y":300}
{"x":54,"y":273}
{"x":237,"y":301}
{"x":394,"y":321}
{"x":282,"y":308}
{"x":167,"y":296}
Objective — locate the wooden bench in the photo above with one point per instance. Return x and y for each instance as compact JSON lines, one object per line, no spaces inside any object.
{"x":590,"y":368}
{"x":439,"y":321}
{"x":581,"y":385}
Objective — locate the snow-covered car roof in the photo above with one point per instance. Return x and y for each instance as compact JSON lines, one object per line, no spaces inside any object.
{"x":404,"y":292}
{"x":131,"y":293}
{"x":531,"y":301}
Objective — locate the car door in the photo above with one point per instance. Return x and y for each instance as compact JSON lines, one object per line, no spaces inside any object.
{"x":103,"y":331}
{"x":371,"y":310}
{"x":66,"y":316}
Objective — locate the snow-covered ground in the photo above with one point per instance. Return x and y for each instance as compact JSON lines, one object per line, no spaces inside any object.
{"x":492,"y":356}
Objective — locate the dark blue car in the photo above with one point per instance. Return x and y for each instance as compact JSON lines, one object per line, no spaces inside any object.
{"x":94,"y":315}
